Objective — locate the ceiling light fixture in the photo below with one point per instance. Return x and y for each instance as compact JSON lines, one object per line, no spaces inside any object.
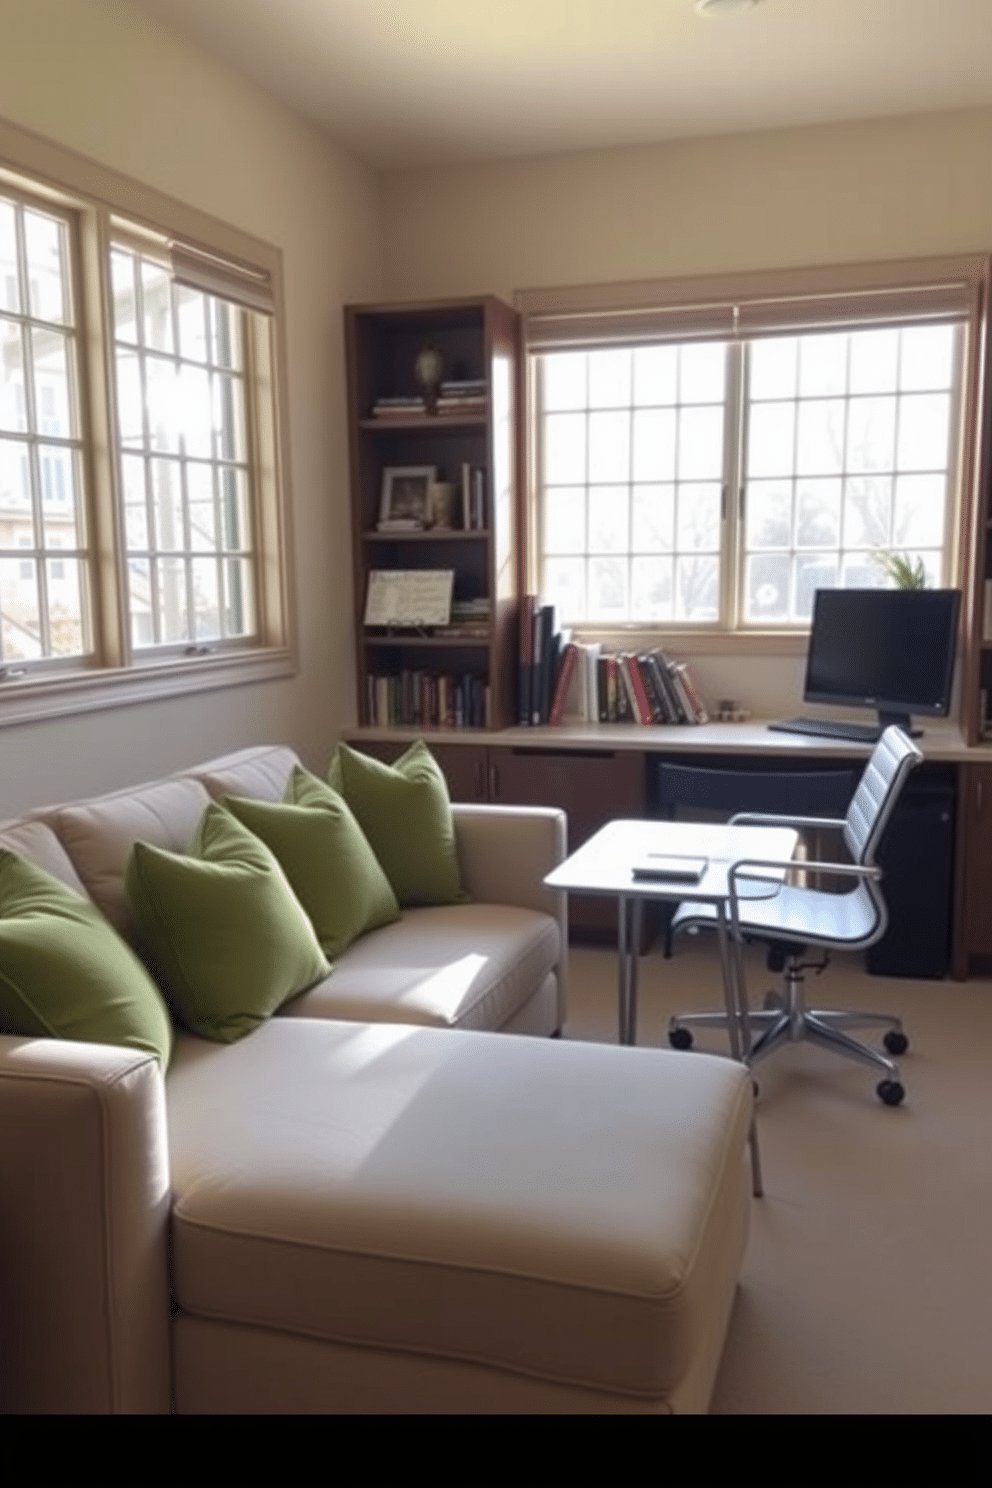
{"x":715,"y":8}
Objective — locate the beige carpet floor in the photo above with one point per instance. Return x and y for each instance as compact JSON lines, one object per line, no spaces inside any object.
{"x":867,"y":1287}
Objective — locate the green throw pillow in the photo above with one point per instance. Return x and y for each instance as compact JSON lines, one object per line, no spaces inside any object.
{"x":326,"y":856}
{"x":405,"y":813}
{"x":66,"y":973}
{"x":228,"y":937}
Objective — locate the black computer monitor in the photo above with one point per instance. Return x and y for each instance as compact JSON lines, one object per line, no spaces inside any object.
{"x":888,"y":649}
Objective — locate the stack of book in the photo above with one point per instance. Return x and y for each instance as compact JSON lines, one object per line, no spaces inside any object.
{"x":646,"y":687}
{"x":466,"y":395}
{"x":399,"y":524}
{"x":650,"y":687}
{"x":403,"y":407}
{"x":542,"y":648}
{"x":416,"y":698}
{"x":469,"y":618}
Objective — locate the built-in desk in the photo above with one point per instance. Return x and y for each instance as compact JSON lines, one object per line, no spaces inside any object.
{"x":598,"y":772}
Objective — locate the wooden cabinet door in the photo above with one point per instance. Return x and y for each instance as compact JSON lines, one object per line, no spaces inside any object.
{"x":973,"y":951}
{"x":592,"y":787}
{"x":464,"y":765}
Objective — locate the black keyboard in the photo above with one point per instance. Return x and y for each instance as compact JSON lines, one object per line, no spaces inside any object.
{"x":829,"y":728}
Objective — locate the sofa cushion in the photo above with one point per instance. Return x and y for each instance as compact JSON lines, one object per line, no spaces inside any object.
{"x":326,"y":856}
{"x":229,"y":940}
{"x":405,"y":812}
{"x":464,"y":966}
{"x":34,"y":839}
{"x":65,"y":973}
{"x":463,"y":1197}
{"x":261,"y":771}
{"x":98,"y":836}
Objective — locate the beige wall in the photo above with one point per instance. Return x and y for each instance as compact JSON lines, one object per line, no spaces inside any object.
{"x":115,"y":86}
{"x":833,"y":194}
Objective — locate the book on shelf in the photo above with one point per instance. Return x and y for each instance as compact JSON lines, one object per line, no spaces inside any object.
{"x":399,"y":524}
{"x":399,"y":407}
{"x":469,"y":618}
{"x":473,"y":498}
{"x":590,"y":673}
{"x":659,"y":713}
{"x":462,"y":387}
{"x":668,"y":710}
{"x":696,"y":705}
{"x":640,"y":707}
{"x":544,"y":624}
{"x":459,"y":404}
{"x":417,"y":698}
{"x":525,"y":657}
{"x":564,"y":682}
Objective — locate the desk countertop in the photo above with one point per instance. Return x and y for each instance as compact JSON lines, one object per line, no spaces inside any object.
{"x":939,"y":741}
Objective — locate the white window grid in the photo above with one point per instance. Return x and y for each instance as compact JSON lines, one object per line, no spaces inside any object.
{"x":44,"y":605}
{"x":183,"y":448}
{"x":731,"y":527}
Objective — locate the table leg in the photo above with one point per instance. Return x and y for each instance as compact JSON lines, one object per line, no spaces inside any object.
{"x":633,"y":969}
{"x":623,"y":975}
{"x":738,"y":1023}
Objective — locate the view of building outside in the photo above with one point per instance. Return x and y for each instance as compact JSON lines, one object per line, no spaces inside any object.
{"x":43,"y":609}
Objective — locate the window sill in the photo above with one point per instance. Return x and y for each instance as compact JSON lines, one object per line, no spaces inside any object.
{"x":31,"y":699}
{"x":697,"y":642}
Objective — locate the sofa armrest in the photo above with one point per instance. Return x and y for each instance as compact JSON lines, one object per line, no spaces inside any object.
{"x":84,"y":1229}
{"x":504,"y":853}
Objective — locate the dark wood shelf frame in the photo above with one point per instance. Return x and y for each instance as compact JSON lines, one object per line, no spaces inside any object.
{"x":477,"y":338}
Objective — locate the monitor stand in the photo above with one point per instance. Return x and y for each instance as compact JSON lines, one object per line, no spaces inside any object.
{"x":901,"y":720}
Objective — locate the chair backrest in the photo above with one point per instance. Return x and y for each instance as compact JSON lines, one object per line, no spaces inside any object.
{"x":878,"y":790}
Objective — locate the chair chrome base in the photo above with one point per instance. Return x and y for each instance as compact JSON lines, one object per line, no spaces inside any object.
{"x":788,"y":1020}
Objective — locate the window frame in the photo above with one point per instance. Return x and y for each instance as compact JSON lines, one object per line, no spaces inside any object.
{"x":737,"y":309}
{"x":105,"y":207}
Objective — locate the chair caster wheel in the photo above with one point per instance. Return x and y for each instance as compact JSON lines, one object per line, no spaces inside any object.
{"x":896,"y":1042}
{"x":680,"y":1038}
{"x":890,"y":1092}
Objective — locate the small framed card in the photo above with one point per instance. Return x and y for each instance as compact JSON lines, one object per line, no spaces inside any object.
{"x":409,"y":597}
{"x":669,"y":867}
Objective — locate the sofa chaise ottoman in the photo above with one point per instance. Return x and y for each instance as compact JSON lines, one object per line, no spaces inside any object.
{"x":377,"y":1213}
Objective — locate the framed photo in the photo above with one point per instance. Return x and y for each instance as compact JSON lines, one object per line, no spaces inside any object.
{"x":405,"y":499}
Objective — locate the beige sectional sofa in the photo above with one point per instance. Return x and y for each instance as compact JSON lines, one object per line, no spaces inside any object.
{"x":371,"y":1203}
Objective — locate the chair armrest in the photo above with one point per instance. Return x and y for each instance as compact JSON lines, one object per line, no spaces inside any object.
{"x":781,"y":866}
{"x":84,"y":1229}
{"x":768,"y":819}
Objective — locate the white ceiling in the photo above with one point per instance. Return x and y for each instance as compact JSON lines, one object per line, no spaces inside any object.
{"x":420,"y":82}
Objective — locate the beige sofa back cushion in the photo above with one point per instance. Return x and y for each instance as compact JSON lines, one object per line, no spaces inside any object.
{"x":34,"y":839}
{"x":260,"y":773}
{"x":99,"y":834}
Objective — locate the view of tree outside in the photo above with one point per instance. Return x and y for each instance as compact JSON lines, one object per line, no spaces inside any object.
{"x":845,"y":449}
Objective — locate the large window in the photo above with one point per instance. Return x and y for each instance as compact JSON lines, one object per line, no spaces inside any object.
{"x":684,"y":478}
{"x":143,"y":487}
{"x":44,"y":609}
{"x":185,"y":476}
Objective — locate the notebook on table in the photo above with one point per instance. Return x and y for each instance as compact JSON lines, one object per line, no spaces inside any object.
{"x":670,"y":867}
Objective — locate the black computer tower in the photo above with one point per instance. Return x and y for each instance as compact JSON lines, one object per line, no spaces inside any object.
{"x":916,"y":856}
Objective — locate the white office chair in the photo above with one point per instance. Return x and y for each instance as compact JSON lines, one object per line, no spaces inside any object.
{"x":797,"y":917}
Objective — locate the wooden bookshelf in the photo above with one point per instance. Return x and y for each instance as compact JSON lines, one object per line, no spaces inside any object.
{"x":470,"y":668}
